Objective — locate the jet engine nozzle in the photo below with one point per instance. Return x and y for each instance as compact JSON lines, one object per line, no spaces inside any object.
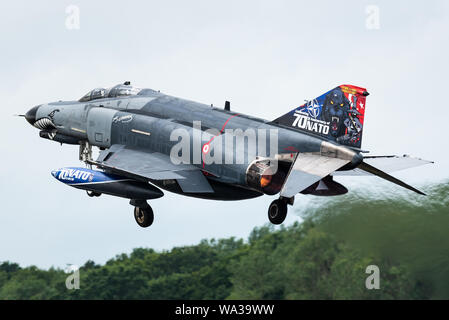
{"x":265,"y":176}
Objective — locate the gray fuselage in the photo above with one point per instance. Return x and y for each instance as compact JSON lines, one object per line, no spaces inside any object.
{"x":150,"y":120}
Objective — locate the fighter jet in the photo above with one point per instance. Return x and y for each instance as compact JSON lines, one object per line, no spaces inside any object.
{"x":150,"y":141}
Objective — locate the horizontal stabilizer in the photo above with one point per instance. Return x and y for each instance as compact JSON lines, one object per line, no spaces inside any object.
{"x":385,"y":163}
{"x":373,"y":170}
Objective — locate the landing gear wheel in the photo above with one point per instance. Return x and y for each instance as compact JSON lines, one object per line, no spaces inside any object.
{"x":277,"y":211}
{"x":93,"y":193}
{"x":144,"y":216}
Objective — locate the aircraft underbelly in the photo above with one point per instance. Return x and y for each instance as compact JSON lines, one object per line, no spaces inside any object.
{"x":222,"y":191}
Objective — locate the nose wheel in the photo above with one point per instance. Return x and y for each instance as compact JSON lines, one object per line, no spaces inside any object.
{"x":277,"y":211}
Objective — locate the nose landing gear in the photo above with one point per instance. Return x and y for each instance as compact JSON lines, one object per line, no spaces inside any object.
{"x":277,"y":211}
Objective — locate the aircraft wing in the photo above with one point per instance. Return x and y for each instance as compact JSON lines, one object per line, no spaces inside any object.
{"x":152,"y":165}
{"x":385,"y":163}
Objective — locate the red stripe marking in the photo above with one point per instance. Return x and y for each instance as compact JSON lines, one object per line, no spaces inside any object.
{"x":221,"y":131}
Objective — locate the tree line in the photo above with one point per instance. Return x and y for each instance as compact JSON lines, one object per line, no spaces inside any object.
{"x":297,"y":262}
{"x":324,"y":257}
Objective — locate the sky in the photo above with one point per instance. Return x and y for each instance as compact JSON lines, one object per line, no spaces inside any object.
{"x":265,"y":57}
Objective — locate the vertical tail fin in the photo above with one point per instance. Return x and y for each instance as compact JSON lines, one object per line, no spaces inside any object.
{"x":337,"y":115}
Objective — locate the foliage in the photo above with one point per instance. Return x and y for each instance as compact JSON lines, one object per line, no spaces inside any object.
{"x":324,"y":257}
{"x":299,"y":262}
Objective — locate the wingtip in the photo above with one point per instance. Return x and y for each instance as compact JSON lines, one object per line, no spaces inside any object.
{"x":377,"y":172}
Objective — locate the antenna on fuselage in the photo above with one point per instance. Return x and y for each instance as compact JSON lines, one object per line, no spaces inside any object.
{"x":227,"y":106}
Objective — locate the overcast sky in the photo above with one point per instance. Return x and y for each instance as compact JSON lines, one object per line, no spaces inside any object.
{"x":266,"y":57}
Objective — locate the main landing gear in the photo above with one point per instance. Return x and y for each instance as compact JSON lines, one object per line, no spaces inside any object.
{"x":277,"y":211}
{"x":143,"y":213}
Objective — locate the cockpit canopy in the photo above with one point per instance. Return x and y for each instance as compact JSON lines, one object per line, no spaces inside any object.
{"x":97,"y":93}
{"x":125,"y":89}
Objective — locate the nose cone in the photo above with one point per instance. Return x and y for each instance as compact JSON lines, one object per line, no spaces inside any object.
{"x":55,"y":173}
{"x":30,"y":116}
